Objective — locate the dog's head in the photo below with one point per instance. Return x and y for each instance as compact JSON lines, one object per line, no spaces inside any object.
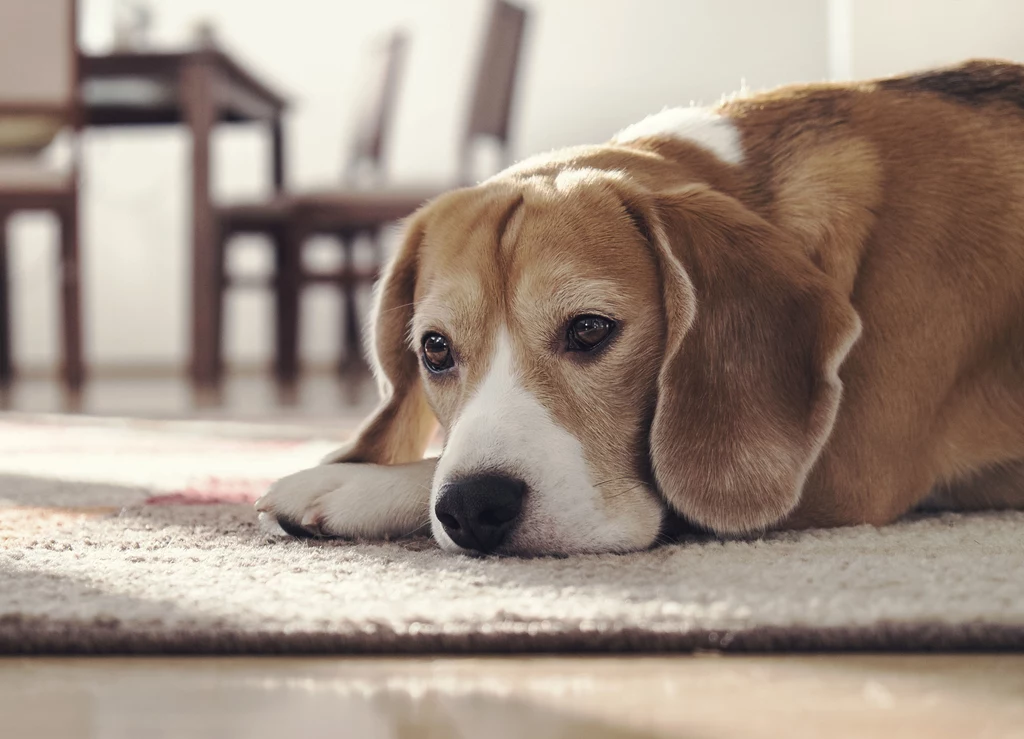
{"x":602,"y":354}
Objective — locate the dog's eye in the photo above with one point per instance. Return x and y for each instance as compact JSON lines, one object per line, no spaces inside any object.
{"x":437,"y":354}
{"x":589,"y":332}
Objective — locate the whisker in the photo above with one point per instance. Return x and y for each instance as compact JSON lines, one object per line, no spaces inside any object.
{"x":422,"y":526}
{"x":627,"y":490}
{"x":614,"y":479}
{"x":397,"y":307}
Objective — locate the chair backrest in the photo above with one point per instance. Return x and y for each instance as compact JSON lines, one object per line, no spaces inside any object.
{"x":38,"y":55}
{"x":38,"y":71}
{"x":493,"y":97}
{"x":375,"y":108}
{"x":491,"y":102}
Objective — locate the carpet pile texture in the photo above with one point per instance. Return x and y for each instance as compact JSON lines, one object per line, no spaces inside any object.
{"x":139,"y":537}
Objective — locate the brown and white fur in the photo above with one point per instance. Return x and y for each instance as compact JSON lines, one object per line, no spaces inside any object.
{"x":818,"y":296}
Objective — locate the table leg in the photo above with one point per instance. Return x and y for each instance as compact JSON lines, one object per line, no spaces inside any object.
{"x":200,"y":109}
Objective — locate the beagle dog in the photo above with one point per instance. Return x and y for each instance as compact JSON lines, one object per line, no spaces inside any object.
{"x":802,"y":308}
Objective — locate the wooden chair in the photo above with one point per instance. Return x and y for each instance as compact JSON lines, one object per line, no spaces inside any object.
{"x":39,"y":98}
{"x":351,"y":213}
{"x":493,"y":97}
{"x":279,"y":218}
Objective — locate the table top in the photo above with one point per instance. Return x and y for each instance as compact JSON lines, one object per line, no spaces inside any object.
{"x":144,"y":88}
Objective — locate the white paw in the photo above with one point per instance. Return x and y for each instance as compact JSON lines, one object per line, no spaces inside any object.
{"x":350,"y":500}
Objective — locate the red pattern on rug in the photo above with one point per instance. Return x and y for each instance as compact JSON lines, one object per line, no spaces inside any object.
{"x":214,"y":490}
{"x":158,"y":463}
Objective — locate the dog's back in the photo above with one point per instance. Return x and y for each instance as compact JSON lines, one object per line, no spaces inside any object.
{"x":979,"y":83}
{"x":910,"y":191}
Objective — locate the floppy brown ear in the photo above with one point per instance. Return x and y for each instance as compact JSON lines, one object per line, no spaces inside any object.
{"x":749,"y":385}
{"x":400,"y":428}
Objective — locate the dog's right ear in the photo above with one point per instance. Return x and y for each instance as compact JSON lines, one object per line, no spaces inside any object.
{"x":400,"y":428}
{"x":749,"y":386}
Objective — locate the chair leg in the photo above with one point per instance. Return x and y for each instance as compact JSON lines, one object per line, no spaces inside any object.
{"x":71,"y":299}
{"x":354,"y":330}
{"x":6,"y":365}
{"x":217,"y":319}
{"x":351,"y":343}
{"x":287,"y":286}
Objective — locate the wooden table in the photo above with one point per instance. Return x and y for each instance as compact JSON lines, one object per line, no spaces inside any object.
{"x":197,"y":89}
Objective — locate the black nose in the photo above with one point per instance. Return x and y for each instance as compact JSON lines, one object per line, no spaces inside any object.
{"x":477,"y":512}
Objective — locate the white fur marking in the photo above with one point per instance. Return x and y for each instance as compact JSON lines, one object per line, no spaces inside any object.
{"x":365,"y":500}
{"x":504,"y":428}
{"x":702,"y":126}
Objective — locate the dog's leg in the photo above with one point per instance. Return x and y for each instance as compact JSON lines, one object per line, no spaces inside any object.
{"x":998,"y":487}
{"x":352,"y":500}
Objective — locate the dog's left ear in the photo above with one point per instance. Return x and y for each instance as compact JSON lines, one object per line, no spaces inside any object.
{"x":749,"y":385}
{"x":400,"y":428}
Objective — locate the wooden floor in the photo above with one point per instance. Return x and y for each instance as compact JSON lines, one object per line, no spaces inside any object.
{"x":702,"y":696}
{"x":319,"y":399}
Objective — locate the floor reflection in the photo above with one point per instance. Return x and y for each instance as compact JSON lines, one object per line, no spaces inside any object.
{"x":215,"y":709}
{"x":433,"y":715}
{"x":837,"y":696}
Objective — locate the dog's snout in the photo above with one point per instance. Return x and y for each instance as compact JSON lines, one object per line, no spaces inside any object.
{"x":477,"y":512}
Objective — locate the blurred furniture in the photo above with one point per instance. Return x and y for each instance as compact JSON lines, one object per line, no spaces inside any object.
{"x":197,"y":89}
{"x":38,"y":99}
{"x":490,"y":112}
{"x":351,"y":213}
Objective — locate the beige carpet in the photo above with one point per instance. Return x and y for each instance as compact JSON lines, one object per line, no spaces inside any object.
{"x":136,"y":537}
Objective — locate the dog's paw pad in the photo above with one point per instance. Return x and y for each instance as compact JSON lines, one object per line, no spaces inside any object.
{"x":297,"y":530}
{"x":270,"y":526}
{"x":281,"y":526}
{"x":314,"y":522}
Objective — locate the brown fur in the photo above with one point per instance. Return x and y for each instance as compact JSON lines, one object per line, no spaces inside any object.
{"x":895,"y":205}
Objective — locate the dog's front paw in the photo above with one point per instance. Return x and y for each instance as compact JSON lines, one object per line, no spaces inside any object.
{"x":290,"y":499}
{"x":350,"y":500}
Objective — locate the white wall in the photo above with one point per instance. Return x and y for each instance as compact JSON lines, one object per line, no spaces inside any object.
{"x":891,"y":36}
{"x":592,"y":67}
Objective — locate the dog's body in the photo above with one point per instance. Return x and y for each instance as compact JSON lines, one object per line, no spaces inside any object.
{"x":802,"y":308}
